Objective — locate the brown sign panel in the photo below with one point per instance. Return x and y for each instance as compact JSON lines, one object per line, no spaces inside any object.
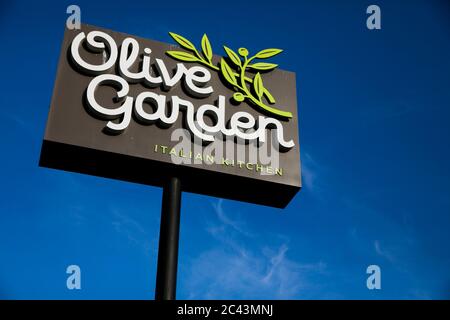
{"x":125,"y":108}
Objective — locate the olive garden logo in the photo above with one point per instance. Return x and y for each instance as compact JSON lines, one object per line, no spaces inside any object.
{"x":118,"y":70}
{"x":237,"y":80}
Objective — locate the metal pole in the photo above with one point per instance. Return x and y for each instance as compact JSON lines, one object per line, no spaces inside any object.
{"x":166,"y":275}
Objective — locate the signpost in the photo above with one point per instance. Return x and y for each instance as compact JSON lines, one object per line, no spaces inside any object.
{"x":181,"y":118}
{"x":166,"y":275}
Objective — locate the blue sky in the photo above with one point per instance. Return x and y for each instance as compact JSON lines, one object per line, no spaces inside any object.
{"x":374,"y":129}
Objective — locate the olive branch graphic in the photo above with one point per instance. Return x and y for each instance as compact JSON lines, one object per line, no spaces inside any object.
{"x":245,"y":88}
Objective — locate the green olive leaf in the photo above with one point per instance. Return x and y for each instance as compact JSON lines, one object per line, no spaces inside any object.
{"x":206,"y":47}
{"x":263,"y":66}
{"x":269,"y":96}
{"x":267,"y":53}
{"x":258,"y":85}
{"x":182,"y":41}
{"x":181,"y":55}
{"x":227,"y":73}
{"x":233,"y":56}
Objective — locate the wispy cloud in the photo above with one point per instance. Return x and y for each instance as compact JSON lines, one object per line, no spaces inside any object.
{"x":133,"y":231}
{"x":76,"y":213}
{"x":315,"y":176}
{"x":236,"y":224}
{"x":384,"y":253}
{"x":309,"y":173}
{"x":24,"y":124}
{"x":275,"y":262}
{"x":124,"y":222}
{"x":241,"y":267}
